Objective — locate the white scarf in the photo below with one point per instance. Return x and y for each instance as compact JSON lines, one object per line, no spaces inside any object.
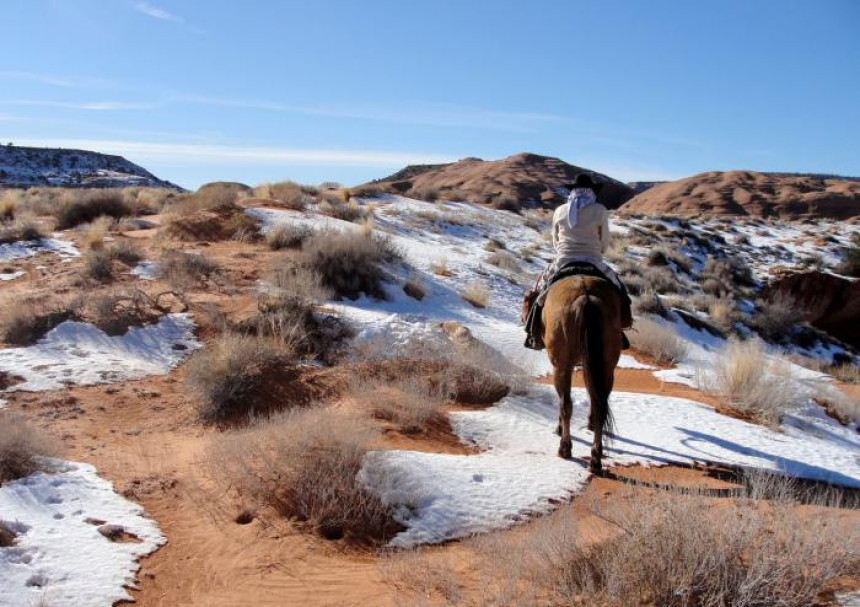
{"x":579,"y":198}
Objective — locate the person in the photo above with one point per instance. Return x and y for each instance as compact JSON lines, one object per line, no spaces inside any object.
{"x":580,"y":235}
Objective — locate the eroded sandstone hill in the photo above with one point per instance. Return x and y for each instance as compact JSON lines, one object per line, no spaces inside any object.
{"x":752,"y":193}
{"x":522,"y":177}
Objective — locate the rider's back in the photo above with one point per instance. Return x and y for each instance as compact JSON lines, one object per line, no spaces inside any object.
{"x":588,"y":238}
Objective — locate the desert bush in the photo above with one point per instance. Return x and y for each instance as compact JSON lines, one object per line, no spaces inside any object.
{"x":649,"y":303}
{"x":730,"y":271}
{"x":183,"y":270}
{"x":306,"y":464}
{"x":755,"y":555}
{"x":97,"y":265}
{"x":368,"y":190}
{"x":657,"y":340}
{"x":77,"y":209}
{"x":218,"y":196}
{"x":298,"y":283}
{"x":752,"y":382}
{"x":663,"y":256}
{"x":837,"y":403}
{"x":23,"y":448}
{"x":775,"y":318}
{"x":504,"y":261}
{"x":226,"y":371}
{"x":426,"y":194}
{"x":845,"y":372}
{"x":288,"y":236}
{"x":506,"y":202}
{"x":24,"y":320}
{"x":495,"y":244}
{"x":662,"y":280}
{"x":21,"y":228}
{"x":125,"y":251}
{"x":411,"y":403}
{"x":721,"y":313}
{"x":440,"y":267}
{"x":349,"y":262}
{"x":850,"y":265}
{"x":93,"y":234}
{"x":9,"y":204}
{"x":289,"y":194}
{"x":115,"y":311}
{"x":334,"y":206}
{"x":477,"y":294}
{"x":414,"y":287}
{"x":635,"y":283}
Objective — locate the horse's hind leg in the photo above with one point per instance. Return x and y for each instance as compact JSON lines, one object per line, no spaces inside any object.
{"x":562,"y":378}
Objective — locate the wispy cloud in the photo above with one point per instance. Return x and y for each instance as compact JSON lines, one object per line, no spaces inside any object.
{"x":36,"y":77}
{"x":157,"y":13}
{"x":422,"y":114}
{"x":193,"y":153}
{"x":93,"y":106}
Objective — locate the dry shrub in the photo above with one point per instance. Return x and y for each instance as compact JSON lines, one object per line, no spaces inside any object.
{"x":350,"y":262}
{"x":506,"y":202}
{"x":21,"y":228}
{"x":115,"y":311}
{"x":721,"y":313}
{"x":846,"y":372}
{"x":306,"y":464}
{"x":775,"y":318}
{"x":93,"y":234}
{"x":657,"y":340}
{"x":495,"y":244}
{"x":301,"y":284}
{"x":226,"y":371}
{"x":367,"y":191}
{"x":9,"y":204}
{"x":504,"y":261}
{"x":752,"y":382}
{"x":76,"y":209}
{"x":440,"y":267}
{"x":650,"y":303}
{"x":850,"y":265}
{"x":289,"y":194}
{"x":731,"y":272}
{"x":218,"y":196}
{"x":288,"y":236}
{"x":426,"y":194}
{"x":334,"y":206}
{"x":412,"y":403}
{"x":99,"y":262}
{"x":183,"y":270}
{"x":414,"y":287}
{"x":838,"y":404}
{"x":23,"y":448}
{"x":477,"y":294}
{"x":663,"y":256}
{"x":25,"y":320}
{"x":662,"y":280}
{"x":675,"y":550}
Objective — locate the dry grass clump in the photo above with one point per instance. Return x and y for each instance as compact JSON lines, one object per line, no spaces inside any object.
{"x":183,"y":270}
{"x":367,"y":191}
{"x":24,"y":320}
{"x":115,"y":311}
{"x":846,"y":372}
{"x":658,"y":341}
{"x":412,"y":403}
{"x":414,"y":287}
{"x":226,"y":371}
{"x":23,"y":448}
{"x":93,"y":234}
{"x":306,"y":464}
{"x":218,"y":196}
{"x":752,"y":382}
{"x":663,"y":256}
{"x":440,"y":267}
{"x":75,"y":209}
{"x":350,"y":262}
{"x":99,"y":262}
{"x":334,"y":206}
{"x":20,"y":228}
{"x":287,"y":193}
{"x":722,"y":313}
{"x":506,"y":202}
{"x":671,"y":549}
{"x":726,"y":275}
{"x":477,"y":294}
{"x":650,"y":303}
{"x":662,"y":280}
{"x":9,"y":204}
{"x":838,"y":404}
{"x":426,"y":194}
{"x":288,"y":236}
{"x":504,"y":261}
{"x":775,"y":317}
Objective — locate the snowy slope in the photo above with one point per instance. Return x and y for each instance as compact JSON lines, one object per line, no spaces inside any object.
{"x":26,"y":166}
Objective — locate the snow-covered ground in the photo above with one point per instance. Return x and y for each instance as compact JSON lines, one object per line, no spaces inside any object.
{"x":79,"y":353}
{"x":59,"y":556}
{"x":11,"y":251}
{"x":518,"y":473}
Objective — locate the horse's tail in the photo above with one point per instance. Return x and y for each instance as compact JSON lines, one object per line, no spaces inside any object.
{"x":594,"y":366}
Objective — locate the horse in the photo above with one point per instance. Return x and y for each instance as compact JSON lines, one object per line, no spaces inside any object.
{"x":582,"y":325}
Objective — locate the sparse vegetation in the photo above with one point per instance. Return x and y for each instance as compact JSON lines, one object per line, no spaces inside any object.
{"x":414,"y":287}
{"x":440,"y":267}
{"x":288,"y":236}
{"x":775,"y":318}
{"x":752,"y":382}
{"x":306,"y":464}
{"x":649,"y":303}
{"x":287,"y":193}
{"x":657,"y":340}
{"x":349,"y":262}
{"x":504,"y":261}
{"x":23,"y":448}
{"x":183,"y":270}
{"x":477,"y":294}
{"x":506,"y":202}
{"x":21,"y":228}
{"x":411,"y":403}
{"x":77,"y":209}
{"x":24,"y":321}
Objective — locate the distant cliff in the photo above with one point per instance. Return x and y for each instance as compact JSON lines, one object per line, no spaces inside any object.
{"x":23,"y":167}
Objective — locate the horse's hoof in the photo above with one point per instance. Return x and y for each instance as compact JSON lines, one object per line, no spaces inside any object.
{"x":596,"y":468}
{"x":565,"y":451}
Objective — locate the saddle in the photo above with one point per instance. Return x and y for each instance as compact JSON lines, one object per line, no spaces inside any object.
{"x":533,"y":301}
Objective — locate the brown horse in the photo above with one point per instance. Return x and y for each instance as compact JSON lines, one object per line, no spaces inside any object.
{"x":582,"y":325}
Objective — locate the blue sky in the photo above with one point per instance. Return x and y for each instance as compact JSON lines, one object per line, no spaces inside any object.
{"x":346,"y":91}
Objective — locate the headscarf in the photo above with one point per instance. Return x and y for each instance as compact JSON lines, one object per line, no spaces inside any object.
{"x":579,"y":198}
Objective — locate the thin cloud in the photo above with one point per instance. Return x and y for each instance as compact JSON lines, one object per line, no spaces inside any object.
{"x":192,"y":153}
{"x":155,"y":12}
{"x":92,"y":106}
{"x":35,"y":77}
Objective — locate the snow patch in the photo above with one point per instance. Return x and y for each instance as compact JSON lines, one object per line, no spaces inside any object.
{"x":11,"y":275}
{"x":11,"y":251}
{"x":145,"y":270}
{"x":59,"y":555}
{"x":79,"y":353}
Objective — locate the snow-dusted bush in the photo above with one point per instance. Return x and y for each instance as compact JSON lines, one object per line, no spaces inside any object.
{"x":649,"y":303}
{"x":23,"y":448}
{"x":504,"y":261}
{"x":477,"y":294}
{"x":752,"y":381}
{"x":657,"y":340}
{"x":305,"y":464}
{"x":775,"y":317}
{"x":288,"y":236}
{"x":349,"y":262}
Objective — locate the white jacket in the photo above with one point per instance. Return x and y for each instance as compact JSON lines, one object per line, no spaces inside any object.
{"x":588,"y":238}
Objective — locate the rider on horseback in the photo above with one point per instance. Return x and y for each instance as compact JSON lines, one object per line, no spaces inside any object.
{"x":580,"y":236}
